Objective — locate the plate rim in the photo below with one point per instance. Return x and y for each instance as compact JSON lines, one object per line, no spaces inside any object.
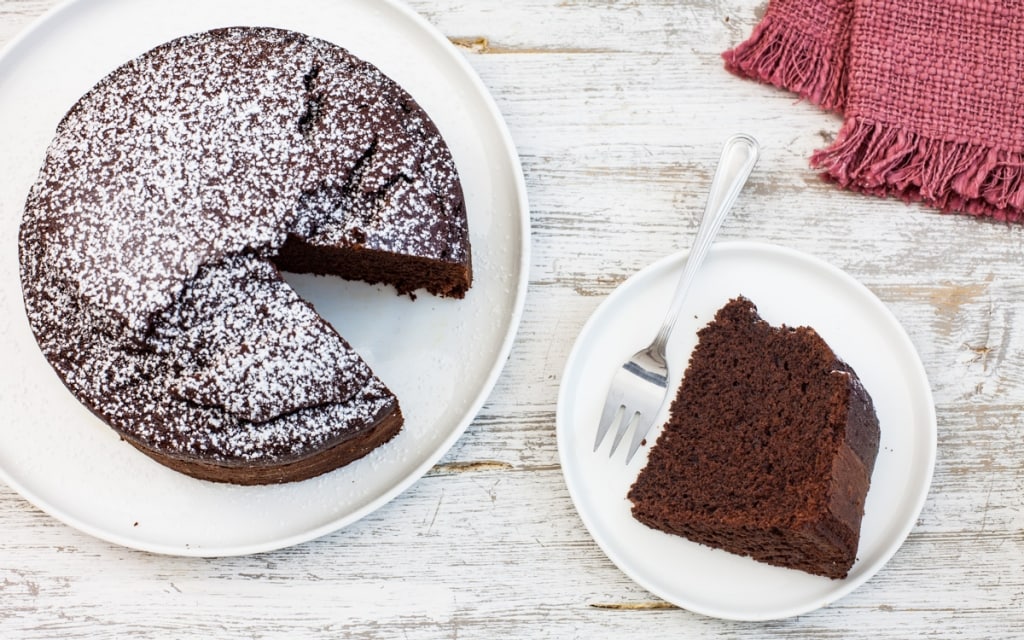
{"x":608,"y":546}
{"x":521,"y":210}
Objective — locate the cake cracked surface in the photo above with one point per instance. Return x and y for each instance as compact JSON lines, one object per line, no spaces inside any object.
{"x":170,"y":197}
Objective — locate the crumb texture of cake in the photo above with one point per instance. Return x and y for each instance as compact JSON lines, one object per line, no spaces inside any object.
{"x":768,"y":450}
{"x":170,"y":198}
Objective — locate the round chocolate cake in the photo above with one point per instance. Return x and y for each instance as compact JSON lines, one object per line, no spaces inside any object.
{"x":173,"y":193}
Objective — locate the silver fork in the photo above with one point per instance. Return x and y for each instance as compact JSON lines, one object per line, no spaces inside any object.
{"x":639,"y":387}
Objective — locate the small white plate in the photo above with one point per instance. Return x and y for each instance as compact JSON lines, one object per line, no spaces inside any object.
{"x":788,"y":288}
{"x":441,"y":357}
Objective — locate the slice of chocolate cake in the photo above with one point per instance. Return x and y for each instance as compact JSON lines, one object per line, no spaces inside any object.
{"x":768,"y":450}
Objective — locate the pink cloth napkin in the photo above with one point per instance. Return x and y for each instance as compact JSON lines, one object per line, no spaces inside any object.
{"x":931,"y":91}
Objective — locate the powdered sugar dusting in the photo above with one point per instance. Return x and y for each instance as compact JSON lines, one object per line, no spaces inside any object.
{"x":147,"y":241}
{"x":243,"y":341}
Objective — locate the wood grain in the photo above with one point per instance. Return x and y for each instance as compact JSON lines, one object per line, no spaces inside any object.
{"x":618,"y":109}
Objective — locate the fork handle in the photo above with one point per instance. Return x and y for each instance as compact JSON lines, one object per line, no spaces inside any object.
{"x":738,"y":159}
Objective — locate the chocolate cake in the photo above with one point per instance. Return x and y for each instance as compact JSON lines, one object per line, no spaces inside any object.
{"x":768,"y":450}
{"x":170,"y":197}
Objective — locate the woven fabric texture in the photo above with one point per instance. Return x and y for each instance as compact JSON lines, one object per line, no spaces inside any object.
{"x":932,"y":94}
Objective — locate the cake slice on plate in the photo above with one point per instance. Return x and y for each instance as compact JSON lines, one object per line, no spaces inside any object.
{"x":768,"y":450}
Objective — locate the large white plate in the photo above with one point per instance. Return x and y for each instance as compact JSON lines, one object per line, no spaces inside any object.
{"x":441,"y":357}
{"x":788,"y":288}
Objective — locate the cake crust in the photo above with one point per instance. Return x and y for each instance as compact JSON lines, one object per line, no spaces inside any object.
{"x":349,"y":448}
{"x":170,"y":197}
{"x":768,"y":450}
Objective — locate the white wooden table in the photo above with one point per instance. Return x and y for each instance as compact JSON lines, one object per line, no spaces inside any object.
{"x":618,"y":110}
